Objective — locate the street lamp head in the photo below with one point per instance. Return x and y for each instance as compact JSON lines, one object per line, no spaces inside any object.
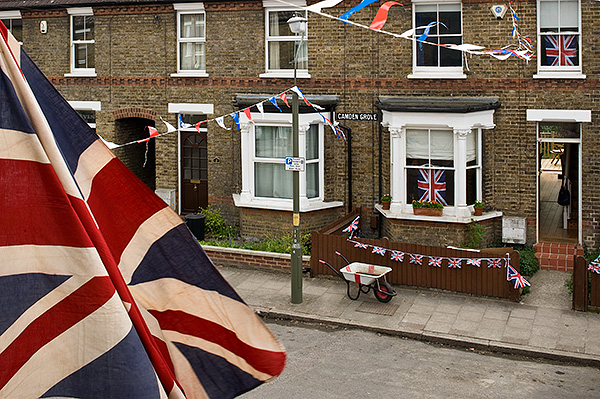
{"x":297,"y":24}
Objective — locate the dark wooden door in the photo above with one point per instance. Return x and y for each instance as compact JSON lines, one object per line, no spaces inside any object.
{"x":194,"y":171}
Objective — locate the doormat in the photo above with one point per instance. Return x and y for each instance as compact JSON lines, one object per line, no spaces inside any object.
{"x":386,"y":309}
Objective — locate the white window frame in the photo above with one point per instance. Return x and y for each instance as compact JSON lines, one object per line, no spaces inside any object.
{"x":561,"y":72}
{"x":273,"y":6}
{"x":12,"y":15}
{"x":462,"y":125}
{"x":80,"y":72}
{"x":430,"y":72}
{"x":86,"y":106}
{"x":247,"y":197}
{"x":189,"y":8}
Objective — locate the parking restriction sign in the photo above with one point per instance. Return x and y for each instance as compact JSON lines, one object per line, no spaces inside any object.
{"x":294,"y":164}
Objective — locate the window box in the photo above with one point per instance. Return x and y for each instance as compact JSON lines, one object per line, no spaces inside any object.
{"x":428,"y":211}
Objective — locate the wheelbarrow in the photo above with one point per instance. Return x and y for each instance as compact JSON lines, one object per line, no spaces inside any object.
{"x":368,"y":277}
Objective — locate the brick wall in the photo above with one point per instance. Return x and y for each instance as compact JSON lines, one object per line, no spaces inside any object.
{"x":259,"y":223}
{"x":242,"y":257}
{"x":441,"y":234}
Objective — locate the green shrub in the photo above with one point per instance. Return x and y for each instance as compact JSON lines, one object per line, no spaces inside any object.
{"x":282,"y":245}
{"x":476,"y":234}
{"x":214,"y":224}
{"x":529,"y":263}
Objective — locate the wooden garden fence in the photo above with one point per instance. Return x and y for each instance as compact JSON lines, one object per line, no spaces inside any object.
{"x":482,"y":281}
{"x":586,"y":287}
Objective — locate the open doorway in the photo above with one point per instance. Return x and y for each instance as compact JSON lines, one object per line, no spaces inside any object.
{"x":558,"y":171}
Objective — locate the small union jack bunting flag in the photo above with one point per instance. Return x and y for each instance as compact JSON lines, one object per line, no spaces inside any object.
{"x":455,"y":263}
{"x":494,"y":262}
{"x":352,"y":226}
{"x":361,"y":245}
{"x":435,"y":261}
{"x":378,"y":250}
{"x":416,"y":259}
{"x":516,"y":278}
{"x":397,"y":256}
{"x":474,"y":262}
{"x":594,"y":267}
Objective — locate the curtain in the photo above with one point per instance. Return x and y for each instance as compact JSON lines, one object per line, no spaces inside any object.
{"x":418,"y":145}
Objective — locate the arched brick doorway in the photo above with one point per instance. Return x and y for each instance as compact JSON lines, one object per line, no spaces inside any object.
{"x":130,"y":125}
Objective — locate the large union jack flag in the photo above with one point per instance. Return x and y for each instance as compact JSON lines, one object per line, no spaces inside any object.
{"x":561,"y":50}
{"x":432,"y":185}
{"x":104,"y":291}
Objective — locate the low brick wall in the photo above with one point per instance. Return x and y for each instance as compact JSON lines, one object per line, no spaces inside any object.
{"x":222,"y":256}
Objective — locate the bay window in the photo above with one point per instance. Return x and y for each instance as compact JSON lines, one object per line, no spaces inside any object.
{"x":272,"y":145}
{"x":436,"y":156}
{"x":266,"y":142}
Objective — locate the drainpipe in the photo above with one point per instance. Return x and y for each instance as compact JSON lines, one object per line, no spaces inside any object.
{"x":349,"y":161}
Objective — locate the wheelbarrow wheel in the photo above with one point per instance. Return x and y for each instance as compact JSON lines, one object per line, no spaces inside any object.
{"x":381,"y":293}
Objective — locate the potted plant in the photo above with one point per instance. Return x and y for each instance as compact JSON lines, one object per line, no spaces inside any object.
{"x":478,"y":207}
{"x":427,"y":208}
{"x":385,"y":201}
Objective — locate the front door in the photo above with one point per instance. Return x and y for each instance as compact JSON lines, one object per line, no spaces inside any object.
{"x":558,"y":167}
{"x":194,"y":171}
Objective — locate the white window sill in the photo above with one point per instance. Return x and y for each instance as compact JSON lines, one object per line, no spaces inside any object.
{"x":286,"y":73}
{"x":388,"y":214}
{"x":82,"y":74}
{"x":436,"y":75}
{"x":559,"y":75}
{"x":283,"y":204}
{"x":190,"y":74}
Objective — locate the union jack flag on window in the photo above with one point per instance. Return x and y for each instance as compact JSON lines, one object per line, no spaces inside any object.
{"x":432,"y":185}
{"x":561,"y":50}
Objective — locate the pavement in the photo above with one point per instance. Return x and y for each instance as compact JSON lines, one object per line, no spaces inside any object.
{"x":542,"y":325}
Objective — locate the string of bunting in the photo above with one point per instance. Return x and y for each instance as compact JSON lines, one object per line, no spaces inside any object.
{"x":524,"y":50}
{"x":436,"y":261}
{"x":235,"y":116}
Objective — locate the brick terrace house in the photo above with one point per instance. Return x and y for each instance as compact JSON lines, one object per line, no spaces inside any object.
{"x":490,"y":127}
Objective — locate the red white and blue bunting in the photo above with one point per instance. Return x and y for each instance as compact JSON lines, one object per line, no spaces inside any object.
{"x":436,"y":261}
{"x":524,"y":49}
{"x":235,"y":116}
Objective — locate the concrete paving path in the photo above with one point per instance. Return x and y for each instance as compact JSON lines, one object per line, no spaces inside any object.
{"x":542,"y":325}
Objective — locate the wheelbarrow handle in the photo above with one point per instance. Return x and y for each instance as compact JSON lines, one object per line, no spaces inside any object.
{"x":343,"y":257}
{"x":340,"y":275}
